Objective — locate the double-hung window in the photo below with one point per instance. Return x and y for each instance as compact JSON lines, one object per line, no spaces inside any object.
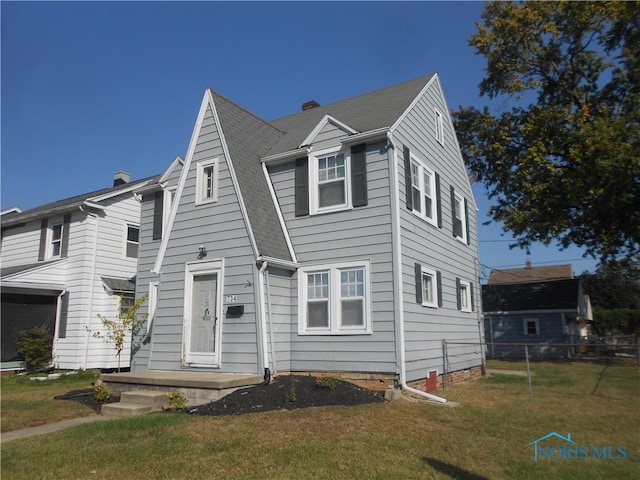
{"x":424,"y":191}
{"x":334,"y":299}
{"x":460,"y":217}
{"x":133,"y":241}
{"x":428,"y":286}
{"x":464,"y":295}
{"x":329,"y":181}
{"x":531,"y":326}
{"x":207,"y":181}
{"x":56,"y":240}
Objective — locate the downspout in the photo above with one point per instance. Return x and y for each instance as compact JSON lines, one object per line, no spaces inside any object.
{"x":397,"y":271}
{"x":93,"y":286}
{"x":263,"y":322}
{"x":269,"y":318}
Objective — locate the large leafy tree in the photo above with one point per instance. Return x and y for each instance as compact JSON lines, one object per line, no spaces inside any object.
{"x":560,"y":156}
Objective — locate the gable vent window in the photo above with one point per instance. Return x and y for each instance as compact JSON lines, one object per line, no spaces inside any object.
{"x":207,"y":181}
{"x":439,"y":127}
{"x":133,"y":241}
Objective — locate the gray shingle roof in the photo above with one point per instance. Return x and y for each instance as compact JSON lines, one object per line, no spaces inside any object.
{"x":366,"y":112}
{"x":531,"y":274}
{"x":549,"y":295}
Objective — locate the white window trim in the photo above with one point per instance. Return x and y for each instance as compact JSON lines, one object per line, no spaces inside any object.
{"x":314,"y":191}
{"x":51,"y":240}
{"x":422,"y":213}
{"x":439,"y":127}
{"x":126,"y":239}
{"x":465,"y":294}
{"x":460,"y":201}
{"x":525,"y":321}
{"x":434,"y":286}
{"x":335,"y":327}
{"x":200,"y":166}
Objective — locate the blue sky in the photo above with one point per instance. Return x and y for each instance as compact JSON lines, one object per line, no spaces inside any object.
{"x":89,"y":88}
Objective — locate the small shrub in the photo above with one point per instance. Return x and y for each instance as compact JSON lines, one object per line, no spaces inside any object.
{"x":330,"y":383}
{"x":101,"y":391}
{"x":34,"y":346}
{"x":177,"y":400}
{"x":292,"y":396}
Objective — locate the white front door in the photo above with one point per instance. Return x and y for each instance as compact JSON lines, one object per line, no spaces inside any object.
{"x":203,"y":314}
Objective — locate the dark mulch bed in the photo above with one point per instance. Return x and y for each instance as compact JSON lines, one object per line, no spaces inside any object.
{"x":279,"y":394}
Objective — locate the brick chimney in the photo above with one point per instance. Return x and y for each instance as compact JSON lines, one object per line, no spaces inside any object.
{"x":309,"y":105}
{"x":120,"y":178}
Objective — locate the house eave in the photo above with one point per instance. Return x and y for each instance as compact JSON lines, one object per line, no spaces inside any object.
{"x":530,"y":312}
{"x":371,"y":135}
{"x":277,"y":262}
{"x":285,"y":156}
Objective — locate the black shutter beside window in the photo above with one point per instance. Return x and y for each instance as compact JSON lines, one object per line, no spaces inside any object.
{"x":66,"y":224}
{"x":439,"y":281}
{"x":302,"y":187}
{"x":458,"y":299}
{"x":44,"y":225}
{"x":473,"y":307}
{"x":359,"y":175}
{"x":454,"y":220}
{"x":407,"y":177}
{"x":418,"y":277}
{"x":438,"y":201}
{"x":158,"y":213}
{"x":466,"y":220}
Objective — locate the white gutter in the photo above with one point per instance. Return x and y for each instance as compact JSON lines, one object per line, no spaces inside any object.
{"x":396,"y":241}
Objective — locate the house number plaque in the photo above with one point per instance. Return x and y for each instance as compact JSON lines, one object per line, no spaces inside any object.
{"x":231,"y":299}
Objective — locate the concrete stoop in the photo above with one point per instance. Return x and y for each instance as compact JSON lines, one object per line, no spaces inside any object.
{"x":136,"y":403}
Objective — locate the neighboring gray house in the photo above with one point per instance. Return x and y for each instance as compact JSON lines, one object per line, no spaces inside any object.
{"x":64,"y":263}
{"x":544,"y":306}
{"x":341,"y":238}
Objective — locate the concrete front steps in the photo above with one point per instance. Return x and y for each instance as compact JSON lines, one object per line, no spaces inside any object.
{"x":136,"y":403}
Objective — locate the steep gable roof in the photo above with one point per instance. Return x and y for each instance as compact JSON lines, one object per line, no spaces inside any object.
{"x":248,"y":138}
{"x":531,"y":274}
{"x":550,"y":295}
{"x":366,"y":112}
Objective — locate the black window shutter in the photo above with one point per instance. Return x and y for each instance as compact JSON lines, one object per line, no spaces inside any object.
{"x":438,"y":201}
{"x":158,"y":213}
{"x":407,"y":177}
{"x":466,"y":220}
{"x":418,"y":277}
{"x":64,"y":314}
{"x":473,"y":308}
{"x":439,"y":282}
{"x":458,"y":299}
{"x":359,"y":175}
{"x":453,"y":211}
{"x":44,"y":224}
{"x":302,"y":186}
{"x":66,"y":224}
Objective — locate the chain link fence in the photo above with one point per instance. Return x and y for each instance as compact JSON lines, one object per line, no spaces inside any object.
{"x":533,"y":360}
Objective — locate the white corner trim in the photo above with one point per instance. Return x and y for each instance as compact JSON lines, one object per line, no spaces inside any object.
{"x":283,"y":225}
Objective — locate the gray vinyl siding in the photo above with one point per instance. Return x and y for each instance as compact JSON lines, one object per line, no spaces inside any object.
{"x":510,"y":328}
{"x":281,"y":293}
{"x":435,"y":248}
{"x":362,"y":233}
{"x":221,"y":228}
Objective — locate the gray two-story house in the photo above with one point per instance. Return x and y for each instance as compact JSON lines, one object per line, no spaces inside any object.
{"x":341,"y":238}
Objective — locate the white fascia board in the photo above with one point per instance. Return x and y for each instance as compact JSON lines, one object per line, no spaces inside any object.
{"x":207,"y":100}
{"x":318,"y":128}
{"x":33,"y":288}
{"x":108,"y":195}
{"x":528,"y":312}
{"x":379,"y":133}
{"x":176,"y":161}
{"x":413,"y":103}
{"x":14,"y":209}
{"x":285,"y":156}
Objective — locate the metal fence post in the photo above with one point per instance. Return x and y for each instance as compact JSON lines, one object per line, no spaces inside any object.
{"x":526,"y":356}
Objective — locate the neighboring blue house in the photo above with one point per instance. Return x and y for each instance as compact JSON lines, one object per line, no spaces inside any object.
{"x":534,"y":305}
{"x":342,"y":238}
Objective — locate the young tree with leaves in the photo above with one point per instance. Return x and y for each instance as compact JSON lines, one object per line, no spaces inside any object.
{"x":563,"y":162}
{"x":119,"y":330}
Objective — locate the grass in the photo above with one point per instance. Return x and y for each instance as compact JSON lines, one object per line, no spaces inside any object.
{"x":26,"y":403}
{"x":487,"y":436}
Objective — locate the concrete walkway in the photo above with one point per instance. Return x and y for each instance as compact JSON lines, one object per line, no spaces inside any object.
{"x":50,"y":427}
